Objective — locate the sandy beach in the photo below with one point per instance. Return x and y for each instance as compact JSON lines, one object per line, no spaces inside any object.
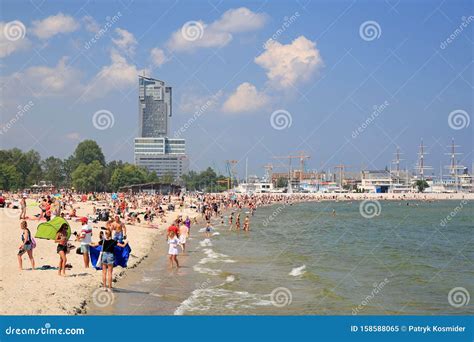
{"x":43,"y":292}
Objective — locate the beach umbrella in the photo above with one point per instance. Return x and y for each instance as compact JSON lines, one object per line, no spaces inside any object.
{"x":48,"y":230}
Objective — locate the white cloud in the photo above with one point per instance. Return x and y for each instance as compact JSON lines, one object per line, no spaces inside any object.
{"x":9,"y":45}
{"x":91,"y":24}
{"x":39,"y":82}
{"x":118,"y":75}
{"x":54,"y":25}
{"x":246,"y":98}
{"x":192,"y":101}
{"x":240,"y":20}
{"x":53,"y":80}
{"x":198,"y":34}
{"x":125,"y":41}
{"x":289,"y":64}
{"x":158,"y":57}
{"x":73,"y":136}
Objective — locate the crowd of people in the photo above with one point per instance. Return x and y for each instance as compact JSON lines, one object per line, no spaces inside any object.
{"x":113,"y":212}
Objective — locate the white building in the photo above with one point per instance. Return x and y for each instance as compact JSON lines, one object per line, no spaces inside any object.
{"x":162,"y":155}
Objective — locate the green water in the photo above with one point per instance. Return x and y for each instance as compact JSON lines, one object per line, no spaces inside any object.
{"x":403,"y":261}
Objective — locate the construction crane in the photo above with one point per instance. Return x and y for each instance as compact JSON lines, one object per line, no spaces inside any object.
{"x":268,"y":172}
{"x":302,"y":157}
{"x":341,"y":168}
{"x":232,"y":171}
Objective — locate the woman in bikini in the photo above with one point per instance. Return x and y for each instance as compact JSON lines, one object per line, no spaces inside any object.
{"x":61,"y":240}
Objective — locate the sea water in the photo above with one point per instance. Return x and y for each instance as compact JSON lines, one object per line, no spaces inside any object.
{"x":317,"y":258}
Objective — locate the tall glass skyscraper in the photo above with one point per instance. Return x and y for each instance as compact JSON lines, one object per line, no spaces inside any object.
{"x":154,"y":107}
{"x":153,"y":149}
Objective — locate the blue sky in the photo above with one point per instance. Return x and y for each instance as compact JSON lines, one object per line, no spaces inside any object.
{"x":325,"y":68}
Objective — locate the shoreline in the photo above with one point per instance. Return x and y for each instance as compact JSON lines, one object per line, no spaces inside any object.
{"x":42,"y":292}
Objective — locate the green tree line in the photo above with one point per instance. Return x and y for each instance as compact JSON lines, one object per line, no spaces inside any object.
{"x":87,"y":170}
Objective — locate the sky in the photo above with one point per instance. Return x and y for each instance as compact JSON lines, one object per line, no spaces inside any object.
{"x":345,"y":82}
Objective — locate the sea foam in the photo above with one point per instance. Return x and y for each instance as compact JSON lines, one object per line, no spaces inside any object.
{"x":296,"y":272}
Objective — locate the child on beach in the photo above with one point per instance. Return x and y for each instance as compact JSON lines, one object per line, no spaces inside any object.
{"x":26,"y":245}
{"x":208,"y":230}
{"x":247,"y":223}
{"x":23,"y":208}
{"x":173,"y":243}
{"x":183,"y":235}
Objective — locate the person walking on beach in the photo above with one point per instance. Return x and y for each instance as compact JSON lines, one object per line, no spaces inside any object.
{"x":86,"y":239}
{"x":208,"y":229}
{"x":247,"y":224}
{"x":23,"y":208}
{"x":61,"y":249}
{"x":26,"y":246}
{"x":108,"y":257}
{"x":237,"y":222}
{"x":231,"y":220}
{"x":173,"y":243}
{"x":183,"y":235}
{"x":173,"y":228}
{"x":187,"y":222}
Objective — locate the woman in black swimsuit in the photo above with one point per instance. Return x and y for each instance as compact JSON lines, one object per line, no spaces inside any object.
{"x":61,"y":240}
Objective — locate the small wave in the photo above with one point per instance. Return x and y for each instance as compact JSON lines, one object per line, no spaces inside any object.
{"x":205,"y":270}
{"x":298,"y":271}
{"x":230,"y":279}
{"x":201,"y":300}
{"x":205,"y":243}
{"x":213,"y":257}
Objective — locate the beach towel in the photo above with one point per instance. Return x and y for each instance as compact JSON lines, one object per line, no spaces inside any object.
{"x":48,"y":230}
{"x":121,"y":255}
